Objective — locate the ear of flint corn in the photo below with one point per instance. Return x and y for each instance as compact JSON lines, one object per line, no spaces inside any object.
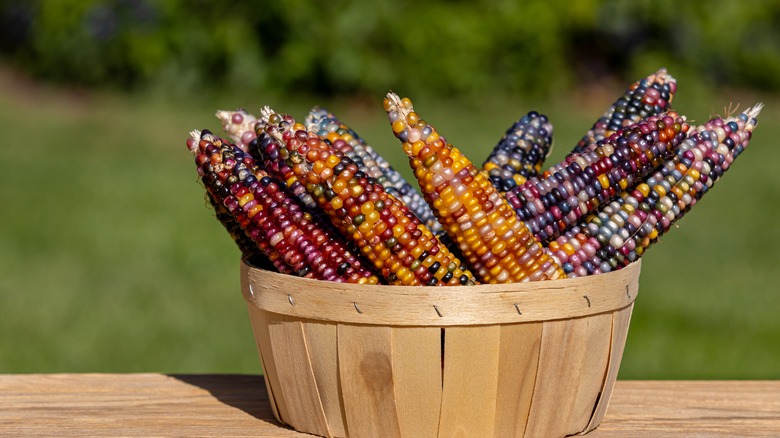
{"x":647,"y":97}
{"x":625,"y":228}
{"x":239,"y":125}
{"x":348,"y":142}
{"x":555,"y":201}
{"x":495,"y":243}
{"x":402,"y":249}
{"x":271,"y":217}
{"x":520,"y":154}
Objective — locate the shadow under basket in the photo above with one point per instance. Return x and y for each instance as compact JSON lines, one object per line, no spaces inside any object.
{"x":510,"y":360}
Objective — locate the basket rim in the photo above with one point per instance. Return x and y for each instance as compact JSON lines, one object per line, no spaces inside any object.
{"x":483,"y":304}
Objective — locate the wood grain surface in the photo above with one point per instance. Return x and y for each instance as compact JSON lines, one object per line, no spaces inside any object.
{"x":70,"y":405}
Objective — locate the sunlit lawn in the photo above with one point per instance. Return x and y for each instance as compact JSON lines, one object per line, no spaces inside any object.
{"x":110,"y":259}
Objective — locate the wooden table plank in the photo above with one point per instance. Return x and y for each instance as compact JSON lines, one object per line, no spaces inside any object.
{"x":692,"y":409}
{"x":70,"y":405}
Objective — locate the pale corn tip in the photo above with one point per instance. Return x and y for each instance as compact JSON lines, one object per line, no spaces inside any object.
{"x":266,"y":112}
{"x":396,"y":104}
{"x":394,"y":98}
{"x":312,"y":119}
{"x":663,"y":73}
{"x":223,"y":116}
{"x":755,"y":110}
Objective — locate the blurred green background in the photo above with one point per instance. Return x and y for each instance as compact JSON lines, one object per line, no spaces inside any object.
{"x":111,"y":260}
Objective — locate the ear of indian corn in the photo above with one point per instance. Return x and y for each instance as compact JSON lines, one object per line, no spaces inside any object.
{"x":239,"y":125}
{"x":520,"y":154}
{"x":555,"y":201}
{"x":403,"y":249}
{"x":271,"y":217}
{"x":250,"y":131}
{"x":497,"y":246}
{"x":346,"y":141}
{"x":647,"y":97}
{"x":626,"y":227}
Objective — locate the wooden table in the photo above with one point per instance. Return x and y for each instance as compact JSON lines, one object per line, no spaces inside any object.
{"x":235,"y":405}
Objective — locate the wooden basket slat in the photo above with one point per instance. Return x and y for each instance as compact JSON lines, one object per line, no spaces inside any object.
{"x":620,"y":323}
{"x":293,"y":366}
{"x":366,"y":376}
{"x":417,"y":379}
{"x":470,"y":381}
{"x":259,"y":321}
{"x":593,"y":370}
{"x":322,"y":344}
{"x":560,"y":359}
{"x":260,"y":330}
{"x":517,"y":364}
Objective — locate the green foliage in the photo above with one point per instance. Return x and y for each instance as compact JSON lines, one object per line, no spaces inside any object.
{"x":339,"y":47}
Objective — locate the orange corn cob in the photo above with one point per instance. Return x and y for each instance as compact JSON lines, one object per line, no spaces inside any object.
{"x":497,"y":246}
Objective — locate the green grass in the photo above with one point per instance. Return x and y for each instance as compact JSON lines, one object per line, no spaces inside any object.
{"x":110,"y":260}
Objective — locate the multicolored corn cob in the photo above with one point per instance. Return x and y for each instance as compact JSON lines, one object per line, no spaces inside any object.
{"x":244,"y":126}
{"x":239,"y":125}
{"x":647,"y":97}
{"x":403,"y":249}
{"x":244,"y":243}
{"x":623,"y":230}
{"x":271,"y":217}
{"x":520,"y":154}
{"x":497,"y":246}
{"x":575,"y":187}
{"x":274,"y":159}
{"x":346,"y":141}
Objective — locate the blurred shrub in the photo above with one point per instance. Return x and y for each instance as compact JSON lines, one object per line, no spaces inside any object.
{"x":340,"y":46}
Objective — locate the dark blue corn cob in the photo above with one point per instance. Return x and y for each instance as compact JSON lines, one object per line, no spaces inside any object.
{"x":647,"y":97}
{"x":520,"y":154}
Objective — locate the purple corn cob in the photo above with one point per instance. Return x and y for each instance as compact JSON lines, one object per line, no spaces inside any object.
{"x":558,"y":199}
{"x":625,"y":228}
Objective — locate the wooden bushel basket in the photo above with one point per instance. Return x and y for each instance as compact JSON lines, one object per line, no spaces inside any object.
{"x":512,"y":360}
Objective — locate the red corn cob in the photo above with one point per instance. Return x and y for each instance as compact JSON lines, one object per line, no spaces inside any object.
{"x":272,"y":218}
